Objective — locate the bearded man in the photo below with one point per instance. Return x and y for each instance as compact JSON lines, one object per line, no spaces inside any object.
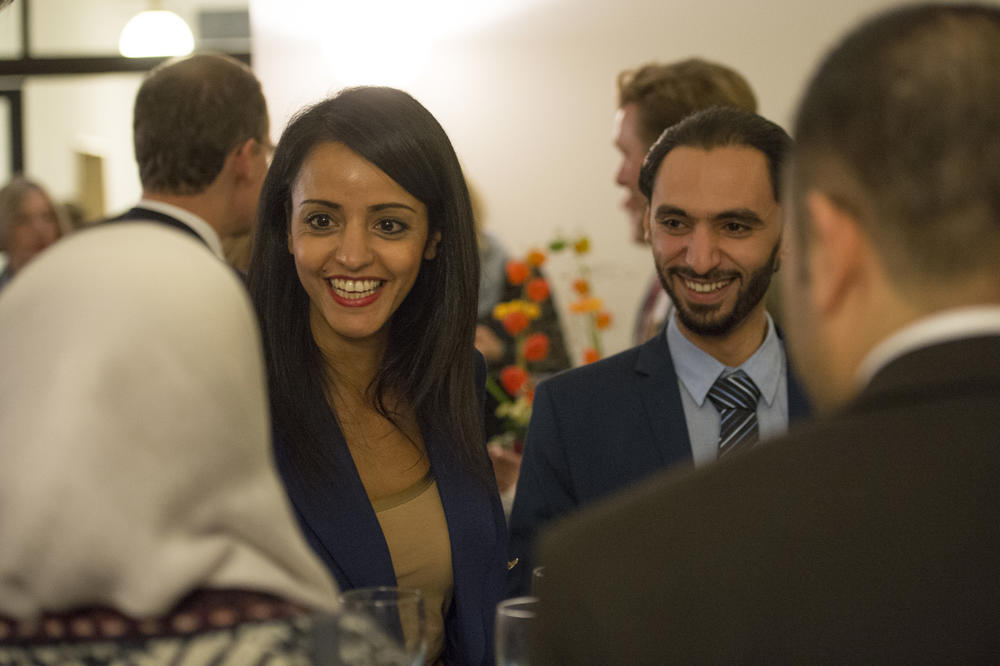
{"x":716,"y":380}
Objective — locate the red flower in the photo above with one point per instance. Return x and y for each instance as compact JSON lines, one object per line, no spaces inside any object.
{"x":512,"y":379}
{"x":603,"y":319}
{"x":515,"y":322}
{"x":590,"y":355}
{"x":536,"y":347}
{"x":537,"y":289}
{"x":517,"y":272}
{"x":581,"y":286}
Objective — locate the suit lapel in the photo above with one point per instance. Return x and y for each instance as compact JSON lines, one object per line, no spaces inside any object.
{"x":340,"y":517}
{"x":661,"y":398}
{"x":466,"y":505}
{"x":798,"y":403}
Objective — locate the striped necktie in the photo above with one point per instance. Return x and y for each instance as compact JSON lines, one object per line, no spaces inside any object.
{"x":735,"y":396}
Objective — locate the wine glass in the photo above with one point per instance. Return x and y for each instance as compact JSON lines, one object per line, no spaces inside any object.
{"x":381,"y":626}
{"x":514,"y":624}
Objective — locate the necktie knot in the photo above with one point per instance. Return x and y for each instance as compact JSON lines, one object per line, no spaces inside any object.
{"x":734,"y":391}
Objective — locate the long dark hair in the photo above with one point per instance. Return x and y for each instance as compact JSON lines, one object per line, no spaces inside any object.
{"x":429,"y":359}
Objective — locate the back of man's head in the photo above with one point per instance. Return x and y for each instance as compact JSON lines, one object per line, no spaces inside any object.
{"x":665,"y":94}
{"x":189,"y":115}
{"x":901,"y":128}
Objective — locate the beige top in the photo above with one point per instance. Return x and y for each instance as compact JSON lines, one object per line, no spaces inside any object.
{"x":416,"y":532}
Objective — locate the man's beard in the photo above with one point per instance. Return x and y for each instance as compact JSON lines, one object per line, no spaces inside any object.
{"x":697,"y":317}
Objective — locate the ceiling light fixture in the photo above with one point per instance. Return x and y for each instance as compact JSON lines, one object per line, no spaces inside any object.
{"x":155,"y":32}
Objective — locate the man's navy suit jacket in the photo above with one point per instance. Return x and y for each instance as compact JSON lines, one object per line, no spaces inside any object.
{"x":597,"y":429}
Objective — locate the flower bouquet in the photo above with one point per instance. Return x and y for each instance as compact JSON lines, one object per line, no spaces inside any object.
{"x":514,"y":386}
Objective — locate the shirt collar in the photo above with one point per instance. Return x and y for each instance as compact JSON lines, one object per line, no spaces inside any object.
{"x":197,"y":224}
{"x":945,"y":326}
{"x":698,"y":370}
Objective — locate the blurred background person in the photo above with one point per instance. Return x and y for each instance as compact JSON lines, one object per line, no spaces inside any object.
{"x":365,"y":274}
{"x":651,"y":98}
{"x":29,"y":223}
{"x":140,"y":511}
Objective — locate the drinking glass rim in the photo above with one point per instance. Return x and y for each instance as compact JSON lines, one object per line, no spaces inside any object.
{"x":510,"y":607}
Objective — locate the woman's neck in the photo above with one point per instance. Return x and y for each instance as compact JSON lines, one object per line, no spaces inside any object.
{"x":351,"y":364}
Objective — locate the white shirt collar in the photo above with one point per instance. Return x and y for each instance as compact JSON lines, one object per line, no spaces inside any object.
{"x":197,"y":224}
{"x":934,"y":329}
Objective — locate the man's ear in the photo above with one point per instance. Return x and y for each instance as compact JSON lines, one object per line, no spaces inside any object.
{"x":430,"y":250}
{"x":837,"y":252}
{"x":243,"y":156}
{"x":645,"y":223}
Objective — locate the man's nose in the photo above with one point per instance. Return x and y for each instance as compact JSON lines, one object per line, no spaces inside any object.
{"x":702,"y":250}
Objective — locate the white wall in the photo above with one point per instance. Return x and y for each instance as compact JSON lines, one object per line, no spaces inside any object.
{"x":529,"y":100}
{"x":93,"y":114}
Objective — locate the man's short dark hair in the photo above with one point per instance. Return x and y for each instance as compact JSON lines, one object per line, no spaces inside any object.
{"x":900,"y":126}
{"x":666,"y":94}
{"x":718,"y":128}
{"x":189,"y":115}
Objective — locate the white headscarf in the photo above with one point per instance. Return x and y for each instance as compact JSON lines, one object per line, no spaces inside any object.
{"x":135,"y":460}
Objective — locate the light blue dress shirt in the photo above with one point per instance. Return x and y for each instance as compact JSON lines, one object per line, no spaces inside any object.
{"x":697,"y":371}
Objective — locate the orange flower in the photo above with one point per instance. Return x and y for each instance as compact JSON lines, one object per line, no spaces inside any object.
{"x":512,"y":379}
{"x":581,"y":286}
{"x":517,"y":272}
{"x":536,"y":257}
{"x":515,"y":322}
{"x":536,"y":347}
{"x":537,"y":289}
{"x":603,"y":319}
{"x":586,"y":305}
{"x":590,"y":355}
{"x":582,"y":246}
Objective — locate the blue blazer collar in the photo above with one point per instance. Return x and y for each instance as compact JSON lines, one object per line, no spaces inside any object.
{"x":661,"y":399}
{"x":342,"y":526}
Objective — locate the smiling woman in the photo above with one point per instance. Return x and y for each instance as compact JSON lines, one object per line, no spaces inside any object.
{"x":359,"y":240}
{"x":365,"y":276}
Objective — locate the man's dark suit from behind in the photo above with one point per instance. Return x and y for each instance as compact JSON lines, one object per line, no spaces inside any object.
{"x":872,"y":537}
{"x":873,"y":534}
